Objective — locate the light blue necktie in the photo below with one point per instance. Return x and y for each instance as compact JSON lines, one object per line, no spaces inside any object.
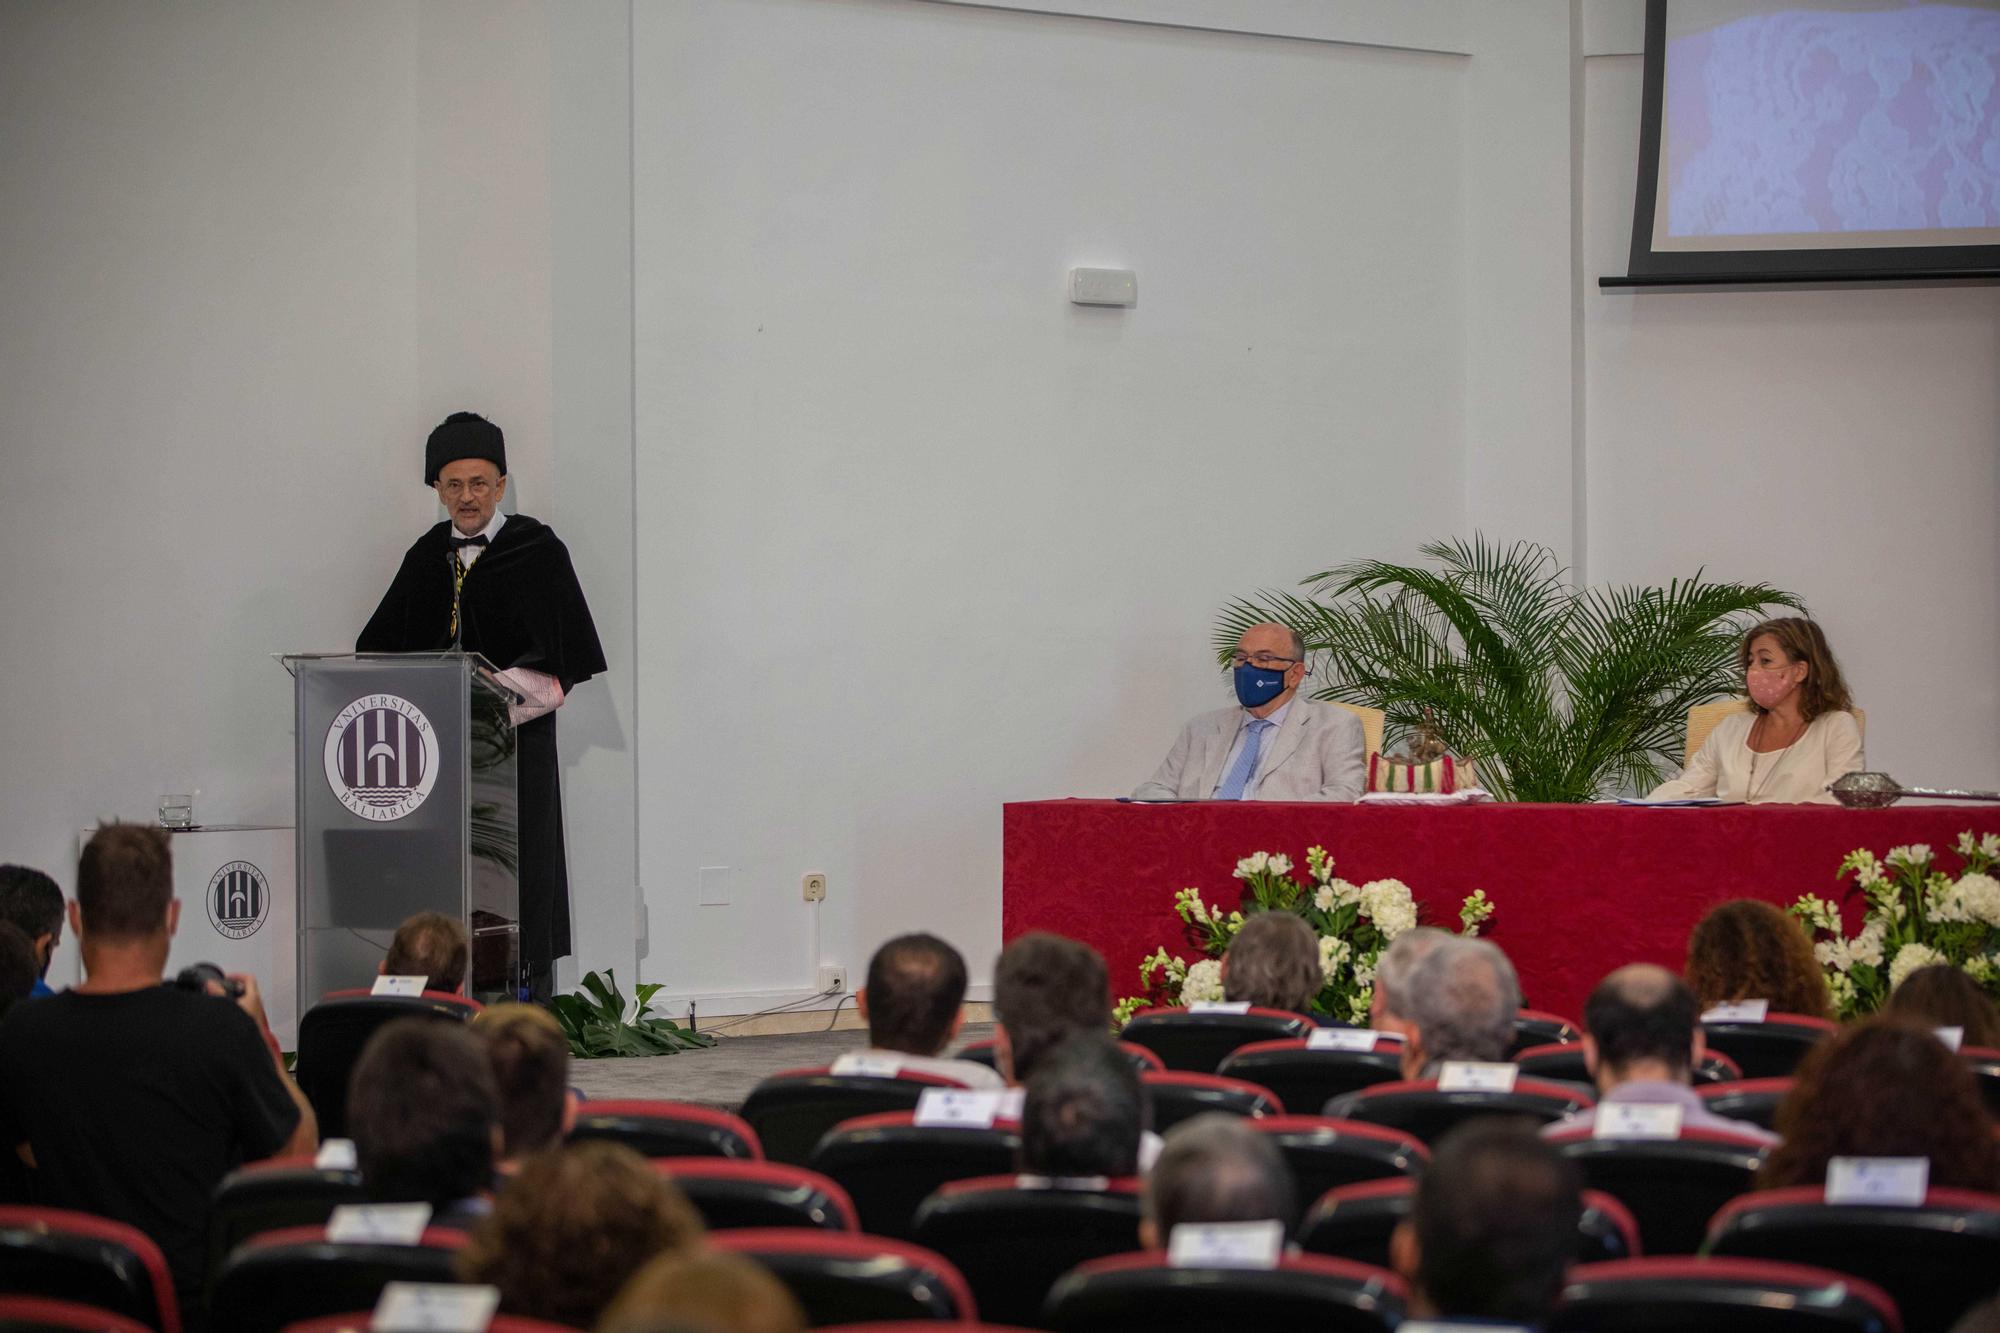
{"x":1246,"y":762}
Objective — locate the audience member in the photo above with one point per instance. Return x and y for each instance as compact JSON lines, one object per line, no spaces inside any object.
{"x":30,"y":900}
{"x":1492,"y":1227}
{"x":1884,"y":1088}
{"x":136,"y":1098}
{"x":530,"y":1059}
{"x":1273,"y":963}
{"x":1642,"y":1039}
{"x":1392,"y":976}
{"x":424,"y":1114}
{"x":707,"y":1291}
{"x":1941,"y":996}
{"x":573,"y":1227}
{"x":1459,"y":1004}
{"x":18,"y":970}
{"x":1214,"y":1168}
{"x":1044,"y":988}
{"x":914,"y":1004}
{"x":429,"y":945}
{"x":1749,"y":950}
{"x":1085,"y":1111}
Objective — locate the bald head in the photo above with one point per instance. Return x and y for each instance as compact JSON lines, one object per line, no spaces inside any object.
{"x":1642,"y":1021}
{"x":1271,"y":637}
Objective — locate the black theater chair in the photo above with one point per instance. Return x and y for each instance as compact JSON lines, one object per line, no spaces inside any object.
{"x":1752,"y":1100}
{"x":84,"y":1259}
{"x":1013,"y":1236}
{"x":1564,"y":1063}
{"x":1143,"y":1293}
{"x":986,"y":1053}
{"x":1178,"y":1095}
{"x":1306,"y":1079}
{"x":1199,"y":1040}
{"x":41,"y":1314}
{"x":1326,"y":1154}
{"x":1672,"y":1186}
{"x":889,"y":1165}
{"x":842,"y":1278}
{"x":1419,"y":1107}
{"x":731,"y":1195}
{"x":1771,"y":1048}
{"x":1356,"y":1221}
{"x":282,"y":1277}
{"x":362,"y":1321}
{"x":274,"y":1194}
{"x":333,"y":1032}
{"x":668,"y":1129}
{"x":1670,"y":1295}
{"x":1985,"y":1064}
{"x":792,"y":1111}
{"x":1534,"y":1027}
{"x":1934,"y":1259}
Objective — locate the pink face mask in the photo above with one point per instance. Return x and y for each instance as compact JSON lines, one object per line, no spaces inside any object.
{"x":1769,"y":685}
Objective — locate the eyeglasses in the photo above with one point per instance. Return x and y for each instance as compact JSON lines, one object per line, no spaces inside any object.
{"x":478,"y":486}
{"x":1264,"y":661}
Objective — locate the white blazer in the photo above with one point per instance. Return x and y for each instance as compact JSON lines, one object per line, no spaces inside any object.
{"x":1318,"y":754}
{"x":1725,"y":767}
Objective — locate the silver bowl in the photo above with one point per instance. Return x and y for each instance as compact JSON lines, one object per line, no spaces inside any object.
{"x":1866,"y":791}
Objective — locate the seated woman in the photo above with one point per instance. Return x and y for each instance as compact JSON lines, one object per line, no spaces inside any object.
{"x":1749,"y":950}
{"x":1941,"y":996}
{"x":1273,"y":963}
{"x":1796,"y":733}
{"x":1884,"y":1088}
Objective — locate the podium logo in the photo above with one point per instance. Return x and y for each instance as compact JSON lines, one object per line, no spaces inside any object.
{"x":381,"y":757}
{"x":239,"y":898}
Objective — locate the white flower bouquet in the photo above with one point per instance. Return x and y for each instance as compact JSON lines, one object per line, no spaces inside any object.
{"x":1355,"y":923}
{"x":1917,"y":916}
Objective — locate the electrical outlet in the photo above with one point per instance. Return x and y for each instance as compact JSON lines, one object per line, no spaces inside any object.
{"x":815,"y":887}
{"x":833,"y":977}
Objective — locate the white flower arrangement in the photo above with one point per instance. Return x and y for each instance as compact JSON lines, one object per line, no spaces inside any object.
{"x":1355,"y":923}
{"x":1915,"y":916}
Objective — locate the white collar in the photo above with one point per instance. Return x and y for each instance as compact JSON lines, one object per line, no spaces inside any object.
{"x":489,"y":532}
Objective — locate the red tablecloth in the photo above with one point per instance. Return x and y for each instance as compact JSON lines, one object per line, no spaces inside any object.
{"x":1579,"y":889}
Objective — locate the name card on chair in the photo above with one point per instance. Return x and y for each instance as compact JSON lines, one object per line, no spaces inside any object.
{"x":378,"y":1223}
{"x":410,"y":987}
{"x":1476,"y":1076}
{"x":1953,"y":1038}
{"x":1738,"y":1011}
{"x":1635,"y":1120}
{"x":434,"y":1307}
{"x":336,"y":1155}
{"x":1226,"y":1245}
{"x":1881,"y":1180}
{"x":1219,"y":1007}
{"x":953,"y":1108}
{"x":1341,"y":1039}
{"x":868,"y":1064}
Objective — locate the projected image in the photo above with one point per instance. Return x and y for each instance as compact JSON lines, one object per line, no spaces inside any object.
{"x":1839,"y":125}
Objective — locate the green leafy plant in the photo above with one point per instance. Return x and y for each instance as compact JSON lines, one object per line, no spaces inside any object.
{"x":1917,"y":915}
{"x":594,"y":1020}
{"x":1556,"y":693}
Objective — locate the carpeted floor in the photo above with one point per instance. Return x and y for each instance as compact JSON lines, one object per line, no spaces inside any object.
{"x":722,"y":1075}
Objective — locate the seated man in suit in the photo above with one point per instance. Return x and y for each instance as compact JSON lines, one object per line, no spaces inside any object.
{"x":1275,"y":747}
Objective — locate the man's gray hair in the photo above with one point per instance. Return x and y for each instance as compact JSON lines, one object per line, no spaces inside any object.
{"x":1214,"y":1168}
{"x":1462,"y":1000}
{"x":1399,"y":960}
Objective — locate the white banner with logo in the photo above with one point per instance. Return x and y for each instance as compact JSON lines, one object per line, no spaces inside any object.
{"x":239,"y":910}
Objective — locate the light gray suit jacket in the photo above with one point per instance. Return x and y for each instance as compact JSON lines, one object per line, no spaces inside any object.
{"x":1317,"y":755}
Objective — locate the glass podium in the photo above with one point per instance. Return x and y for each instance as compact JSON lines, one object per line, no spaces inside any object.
{"x":407,"y":802}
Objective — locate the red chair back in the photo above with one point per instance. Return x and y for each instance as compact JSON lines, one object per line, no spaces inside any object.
{"x":87,"y":1260}
{"x":1772,"y":1048}
{"x":1356,"y":1221}
{"x":1142,"y":1293}
{"x":41,"y":1314}
{"x":839,"y":1277}
{"x":1538,"y":1027}
{"x":1672,"y":1186}
{"x":1306,"y":1079}
{"x":889,"y":1164}
{"x":1720,"y":1296}
{"x":1754,"y":1101}
{"x":282,"y":1277}
{"x":1200,"y":1040}
{"x":274,"y":1194}
{"x":333,"y":1033}
{"x":1178,"y":1095}
{"x":1012,"y":1236}
{"x":362,"y":1321}
{"x":1325,"y":1154}
{"x":668,"y":1129}
{"x":792,"y":1111}
{"x":987,"y":1053}
{"x":731,"y":1195}
{"x":1421,"y":1108}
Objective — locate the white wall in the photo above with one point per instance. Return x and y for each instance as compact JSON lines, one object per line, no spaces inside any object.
{"x":1844,"y":444}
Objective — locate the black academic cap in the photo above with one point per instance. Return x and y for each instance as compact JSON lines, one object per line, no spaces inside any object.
{"x":464,"y":435}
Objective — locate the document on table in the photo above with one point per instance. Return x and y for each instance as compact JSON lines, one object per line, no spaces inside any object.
{"x":1672,"y":802}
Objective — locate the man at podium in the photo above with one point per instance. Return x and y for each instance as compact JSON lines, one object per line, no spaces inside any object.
{"x":501,"y":586}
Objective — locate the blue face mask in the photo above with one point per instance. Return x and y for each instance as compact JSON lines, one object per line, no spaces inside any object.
{"x":1257,"y":686}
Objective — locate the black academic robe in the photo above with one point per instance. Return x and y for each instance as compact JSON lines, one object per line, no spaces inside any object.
{"x":520,"y":606}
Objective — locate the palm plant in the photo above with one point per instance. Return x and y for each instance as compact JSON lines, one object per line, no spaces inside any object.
{"x":1556,"y":693}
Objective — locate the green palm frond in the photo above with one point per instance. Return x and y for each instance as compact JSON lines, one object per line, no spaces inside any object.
{"x":1558,"y":694}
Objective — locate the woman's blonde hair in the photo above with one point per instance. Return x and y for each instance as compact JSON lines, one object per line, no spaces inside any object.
{"x":1802,"y":641}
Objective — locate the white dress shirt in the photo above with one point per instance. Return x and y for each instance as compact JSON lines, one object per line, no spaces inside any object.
{"x":1276,"y":720}
{"x":469,"y":555}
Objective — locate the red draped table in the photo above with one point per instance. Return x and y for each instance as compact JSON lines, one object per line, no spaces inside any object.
{"x":1578,"y":889}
